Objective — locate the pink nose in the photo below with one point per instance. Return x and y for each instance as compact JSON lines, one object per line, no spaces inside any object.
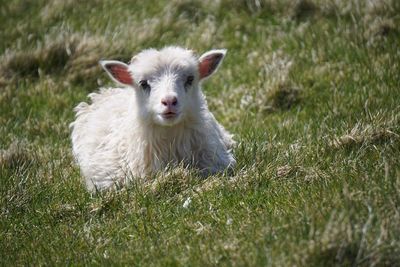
{"x":169,"y":101}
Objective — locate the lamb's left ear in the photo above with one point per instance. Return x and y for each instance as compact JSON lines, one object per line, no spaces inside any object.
{"x":118,"y":71}
{"x":210,"y":61}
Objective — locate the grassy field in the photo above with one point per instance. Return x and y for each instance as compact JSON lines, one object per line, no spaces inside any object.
{"x":310,"y":88}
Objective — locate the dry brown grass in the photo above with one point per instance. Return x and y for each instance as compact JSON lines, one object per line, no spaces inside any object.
{"x":16,"y":156}
{"x":365,"y":134}
{"x":282,"y":97}
{"x":75,"y":56}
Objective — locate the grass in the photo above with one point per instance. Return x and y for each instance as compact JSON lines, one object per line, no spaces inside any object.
{"x":310,"y":89}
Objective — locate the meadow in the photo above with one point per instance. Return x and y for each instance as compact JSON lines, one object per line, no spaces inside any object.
{"x":310,"y":89}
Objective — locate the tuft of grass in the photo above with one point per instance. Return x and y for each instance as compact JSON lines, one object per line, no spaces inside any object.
{"x":378,"y":131}
{"x":74,"y":56}
{"x":380,"y":28}
{"x":303,"y":8}
{"x":16,"y":157}
{"x":282,"y":97}
{"x":360,"y":135}
{"x":48,"y":58}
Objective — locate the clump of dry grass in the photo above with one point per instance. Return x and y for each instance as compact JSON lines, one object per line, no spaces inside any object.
{"x":83,"y":65}
{"x":383,"y":127}
{"x":49,"y":57}
{"x":76,"y":56}
{"x":276,"y":89}
{"x":364,"y":134}
{"x":16,"y":156}
{"x":286,"y":170}
{"x":282,"y":97}
{"x":301,"y":173}
{"x":379,"y":28}
{"x":19,"y":64}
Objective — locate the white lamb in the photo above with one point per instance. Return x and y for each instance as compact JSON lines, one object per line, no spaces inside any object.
{"x":159,"y":119}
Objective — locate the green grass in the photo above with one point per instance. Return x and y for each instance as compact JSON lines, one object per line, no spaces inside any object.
{"x":310,"y":89}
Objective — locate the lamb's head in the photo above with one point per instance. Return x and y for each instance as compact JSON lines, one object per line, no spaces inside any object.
{"x":166,"y":81}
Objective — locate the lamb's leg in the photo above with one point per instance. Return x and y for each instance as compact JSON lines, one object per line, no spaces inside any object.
{"x":214,"y":163}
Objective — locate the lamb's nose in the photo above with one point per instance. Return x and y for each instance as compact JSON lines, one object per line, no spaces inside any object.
{"x":169,"y":101}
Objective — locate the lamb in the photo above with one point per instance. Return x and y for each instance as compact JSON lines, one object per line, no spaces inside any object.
{"x":158,"y":117}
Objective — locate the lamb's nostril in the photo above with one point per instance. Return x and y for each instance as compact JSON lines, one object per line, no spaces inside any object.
{"x":169,"y":101}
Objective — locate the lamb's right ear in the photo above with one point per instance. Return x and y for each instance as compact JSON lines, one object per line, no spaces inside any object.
{"x":118,"y":71}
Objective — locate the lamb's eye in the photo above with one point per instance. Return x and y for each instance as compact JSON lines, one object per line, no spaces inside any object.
{"x":144,"y":84}
{"x":189,"y":80}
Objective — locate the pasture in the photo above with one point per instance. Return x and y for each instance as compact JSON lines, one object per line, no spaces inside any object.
{"x":309,"y":88}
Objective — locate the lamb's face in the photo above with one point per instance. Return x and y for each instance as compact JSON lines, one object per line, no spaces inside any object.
{"x":166,"y":82}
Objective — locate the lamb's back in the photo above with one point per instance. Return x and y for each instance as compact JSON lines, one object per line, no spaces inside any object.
{"x":98,"y":124}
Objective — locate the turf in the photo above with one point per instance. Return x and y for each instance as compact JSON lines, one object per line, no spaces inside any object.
{"x":310,"y":89}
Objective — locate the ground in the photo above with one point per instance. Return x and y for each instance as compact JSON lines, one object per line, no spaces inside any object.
{"x":310,"y":89}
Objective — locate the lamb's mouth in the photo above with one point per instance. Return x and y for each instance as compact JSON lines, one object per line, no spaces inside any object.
{"x":169,"y":115}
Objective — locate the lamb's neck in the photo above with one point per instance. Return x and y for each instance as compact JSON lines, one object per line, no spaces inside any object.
{"x":168,"y":134}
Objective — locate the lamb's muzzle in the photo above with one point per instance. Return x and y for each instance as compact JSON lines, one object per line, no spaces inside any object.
{"x":159,"y":118}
